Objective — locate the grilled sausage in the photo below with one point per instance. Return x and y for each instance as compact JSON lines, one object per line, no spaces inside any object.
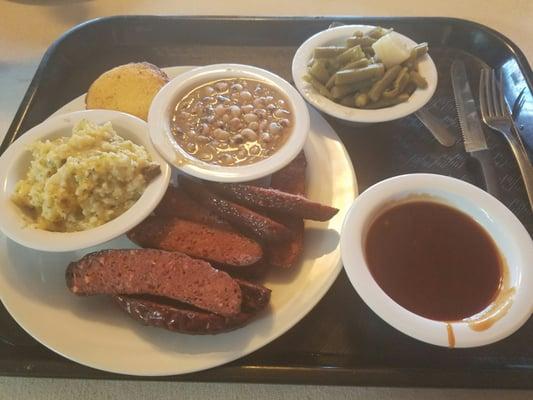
{"x":197,"y":240}
{"x":182,"y":318}
{"x":155,"y":272}
{"x":274,"y":200}
{"x":257,"y":225}
{"x":290,"y":179}
{"x":177,"y":203}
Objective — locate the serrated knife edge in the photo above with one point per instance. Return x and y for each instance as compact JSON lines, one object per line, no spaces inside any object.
{"x":473,"y":136}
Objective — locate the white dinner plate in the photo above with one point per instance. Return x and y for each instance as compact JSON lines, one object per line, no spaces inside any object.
{"x":95,"y":333}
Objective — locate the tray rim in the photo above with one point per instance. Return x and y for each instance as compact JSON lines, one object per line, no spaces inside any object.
{"x":509,"y":378}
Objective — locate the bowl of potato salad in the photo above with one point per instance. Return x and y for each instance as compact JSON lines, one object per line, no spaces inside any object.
{"x":364,"y":74}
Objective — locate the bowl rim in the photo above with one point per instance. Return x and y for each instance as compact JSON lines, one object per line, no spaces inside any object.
{"x":304,"y":53}
{"x":11,"y":222}
{"x":165,"y":100}
{"x":470,"y":197}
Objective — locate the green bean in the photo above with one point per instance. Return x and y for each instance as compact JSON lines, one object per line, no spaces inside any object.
{"x":369,"y":51}
{"x":418,"y":79}
{"x":350,"y":55}
{"x":331,"y":82}
{"x":380,"y":86}
{"x":319,"y":71}
{"x":320,"y":88}
{"x":357,"y":75}
{"x":388,"y":102}
{"x":399,"y":84}
{"x":410,"y":88}
{"x":363,"y":62}
{"x":328,"y":51}
{"x":378,"y":32}
{"x":361,"y":99}
{"x":347,"y":101}
{"x":339,"y":91}
{"x":364,"y":41}
{"x":358,"y":34}
{"x":418,"y":51}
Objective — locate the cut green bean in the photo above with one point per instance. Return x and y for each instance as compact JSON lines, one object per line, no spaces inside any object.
{"x":416,"y":52}
{"x":319,"y":71}
{"x":378,"y":32}
{"x":347,"y":76}
{"x":350,"y":55}
{"x":331,"y":82}
{"x":410,"y":88}
{"x":363,"y":62}
{"x":339,"y":91}
{"x":320,"y":88}
{"x":380,"y":86}
{"x":328,"y":51}
{"x":418,"y":79}
{"x":383,"y":103}
{"x":360,"y":41}
{"x":359,"y":34}
{"x":399,"y":84}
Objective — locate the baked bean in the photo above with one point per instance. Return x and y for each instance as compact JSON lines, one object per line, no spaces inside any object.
{"x":249,"y":134}
{"x":274,"y":128}
{"x":253,"y":125}
{"x":281,"y":113}
{"x":265,"y":137}
{"x":235,"y":124}
{"x":246,"y":96}
{"x":247,"y":108}
{"x":250,"y":117}
{"x":221,"y":86}
{"x":235,"y":111}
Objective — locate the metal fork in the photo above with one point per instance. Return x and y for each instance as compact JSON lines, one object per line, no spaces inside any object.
{"x":495,"y":113}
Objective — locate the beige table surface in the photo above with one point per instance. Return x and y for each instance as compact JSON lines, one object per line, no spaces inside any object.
{"x":28,"y":27}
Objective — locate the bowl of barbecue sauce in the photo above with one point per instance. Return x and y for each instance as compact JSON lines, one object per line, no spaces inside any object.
{"x":440,"y":260}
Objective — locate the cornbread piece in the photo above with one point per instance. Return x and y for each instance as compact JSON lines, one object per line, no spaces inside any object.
{"x":177,"y":203}
{"x":129,"y":88}
{"x":260,"y":226}
{"x":179,"y":317}
{"x":290,"y":179}
{"x":197,"y":240}
{"x":155,"y":272}
{"x":274,"y":200}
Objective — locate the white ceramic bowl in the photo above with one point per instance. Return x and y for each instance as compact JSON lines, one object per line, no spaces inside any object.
{"x":167,"y":98}
{"x":14,"y":165}
{"x":506,"y":230}
{"x":337,"y":36}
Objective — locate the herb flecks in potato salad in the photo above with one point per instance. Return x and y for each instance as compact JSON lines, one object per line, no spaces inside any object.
{"x":372,"y":70}
{"x":82,"y":181}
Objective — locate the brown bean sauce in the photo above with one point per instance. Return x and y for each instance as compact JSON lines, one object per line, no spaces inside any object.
{"x":232,"y":122}
{"x":433,"y":260}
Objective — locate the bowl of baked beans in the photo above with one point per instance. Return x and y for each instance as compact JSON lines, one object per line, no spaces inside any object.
{"x":228,"y":122}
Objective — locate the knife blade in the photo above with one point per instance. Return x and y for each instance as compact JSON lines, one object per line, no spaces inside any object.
{"x":471,"y":130}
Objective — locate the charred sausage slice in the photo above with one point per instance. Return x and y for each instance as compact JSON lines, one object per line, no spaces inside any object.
{"x":156,"y":272}
{"x":197,"y":240}
{"x":178,"y":317}
{"x":257,"y":225}
{"x":177,"y":203}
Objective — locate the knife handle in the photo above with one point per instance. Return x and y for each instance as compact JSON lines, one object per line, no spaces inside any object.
{"x":489,"y":172}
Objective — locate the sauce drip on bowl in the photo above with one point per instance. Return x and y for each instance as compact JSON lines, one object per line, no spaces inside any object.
{"x":433,"y":260}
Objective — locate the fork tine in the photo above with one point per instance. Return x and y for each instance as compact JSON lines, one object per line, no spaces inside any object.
{"x":501,"y":97}
{"x":494,"y":94}
{"x":488,"y":96}
{"x":482,"y":95}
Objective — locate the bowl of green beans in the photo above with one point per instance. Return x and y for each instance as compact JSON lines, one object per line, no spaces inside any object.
{"x":364,"y":74}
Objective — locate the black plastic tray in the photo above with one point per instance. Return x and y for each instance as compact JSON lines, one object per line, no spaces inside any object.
{"x":341,"y":341}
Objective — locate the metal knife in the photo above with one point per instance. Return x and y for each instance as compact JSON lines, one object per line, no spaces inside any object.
{"x":473,"y":136}
{"x":436,"y":127}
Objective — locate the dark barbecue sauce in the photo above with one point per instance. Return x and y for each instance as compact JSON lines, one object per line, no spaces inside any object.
{"x":433,"y":260}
